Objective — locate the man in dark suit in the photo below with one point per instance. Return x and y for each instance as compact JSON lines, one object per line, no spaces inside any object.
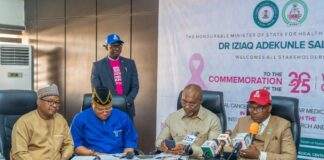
{"x":117,"y":73}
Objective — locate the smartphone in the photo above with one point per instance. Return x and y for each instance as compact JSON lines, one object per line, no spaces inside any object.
{"x":169,"y":143}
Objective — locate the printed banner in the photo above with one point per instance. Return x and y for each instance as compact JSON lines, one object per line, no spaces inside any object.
{"x":239,"y":46}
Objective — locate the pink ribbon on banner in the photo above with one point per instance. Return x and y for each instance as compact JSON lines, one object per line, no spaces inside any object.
{"x":197,"y":70}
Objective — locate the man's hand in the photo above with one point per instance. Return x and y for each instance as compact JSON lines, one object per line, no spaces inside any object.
{"x":83,"y":151}
{"x":178,"y":149}
{"x":163,"y":147}
{"x":126,"y":150}
{"x":251,"y":152}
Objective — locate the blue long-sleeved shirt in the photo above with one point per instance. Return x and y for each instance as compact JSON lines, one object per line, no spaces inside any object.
{"x":113,"y":135}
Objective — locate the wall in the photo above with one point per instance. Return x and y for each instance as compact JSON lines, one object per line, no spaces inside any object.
{"x":67,"y":36}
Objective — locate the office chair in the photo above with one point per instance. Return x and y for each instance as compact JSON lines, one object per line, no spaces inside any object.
{"x":213,"y":101}
{"x":13,"y":104}
{"x":287,"y":108}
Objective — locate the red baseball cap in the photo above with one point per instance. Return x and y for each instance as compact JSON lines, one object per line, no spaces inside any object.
{"x":261,"y":97}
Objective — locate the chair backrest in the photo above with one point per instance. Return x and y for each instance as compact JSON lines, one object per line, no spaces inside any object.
{"x":287,"y":108}
{"x":213,"y":101}
{"x":119,"y":102}
{"x":13,"y":104}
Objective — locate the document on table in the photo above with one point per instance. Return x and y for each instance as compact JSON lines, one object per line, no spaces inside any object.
{"x":102,"y":157}
{"x":167,"y":156}
{"x":161,"y":156}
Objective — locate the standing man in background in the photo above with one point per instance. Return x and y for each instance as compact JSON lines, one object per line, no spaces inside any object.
{"x":117,"y":73}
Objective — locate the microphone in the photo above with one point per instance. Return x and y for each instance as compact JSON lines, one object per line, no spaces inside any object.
{"x":254,"y":129}
{"x":188,"y":140}
{"x":209,"y":148}
{"x":238,"y":141}
{"x":244,"y":139}
{"x":223,"y":140}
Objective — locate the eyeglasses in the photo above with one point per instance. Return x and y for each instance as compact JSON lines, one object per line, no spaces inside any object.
{"x":116,"y":46}
{"x":189,"y":104}
{"x":51,"y":102}
{"x":102,"y":111}
{"x":257,"y":109}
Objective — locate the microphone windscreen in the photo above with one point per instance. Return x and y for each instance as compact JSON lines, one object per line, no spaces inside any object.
{"x":243,"y":138}
{"x":254,"y":128}
{"x":209,"y":148}
{"x":189,"y":139}
{"x":224,"y":139}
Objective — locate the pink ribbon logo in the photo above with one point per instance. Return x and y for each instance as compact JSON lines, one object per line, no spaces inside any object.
{"x":196,"y":67}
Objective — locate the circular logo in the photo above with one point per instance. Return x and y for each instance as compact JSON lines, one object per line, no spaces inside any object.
{"x":294,"y":12}
{"x":265,"y":14}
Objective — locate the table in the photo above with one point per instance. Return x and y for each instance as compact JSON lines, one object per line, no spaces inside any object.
{"x":160,"y":156}
{"x":139,"y":157}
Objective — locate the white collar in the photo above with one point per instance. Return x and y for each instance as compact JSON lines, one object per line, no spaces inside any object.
{"x":266,"y":121}
{"x":113,"y":59}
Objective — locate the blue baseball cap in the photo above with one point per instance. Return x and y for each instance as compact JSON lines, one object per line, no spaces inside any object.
{"x":113,"y":38}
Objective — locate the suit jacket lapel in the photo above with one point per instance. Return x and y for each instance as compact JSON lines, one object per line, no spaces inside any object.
{"x":109,"y":77}
{"x":124,"y":70}
{"x":269,"y":133}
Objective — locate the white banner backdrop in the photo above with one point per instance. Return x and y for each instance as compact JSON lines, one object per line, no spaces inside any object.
{"x":238,"y":46}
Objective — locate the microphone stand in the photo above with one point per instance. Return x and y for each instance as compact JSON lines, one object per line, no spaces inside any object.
{"x":230,"y":156}
{"x":205,"y":155}
{"x":236,"y":149}
{"x":221,"y":151}
{"x":222,"y":154}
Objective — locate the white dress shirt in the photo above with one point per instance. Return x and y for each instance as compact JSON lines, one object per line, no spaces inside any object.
{"x":262,"y":126}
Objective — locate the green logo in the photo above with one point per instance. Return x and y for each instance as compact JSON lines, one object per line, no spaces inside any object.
{"x":265,"y":14}
{"x":294,"y":12}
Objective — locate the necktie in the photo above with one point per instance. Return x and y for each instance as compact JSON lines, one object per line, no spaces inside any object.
{"x":260,"y":129}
